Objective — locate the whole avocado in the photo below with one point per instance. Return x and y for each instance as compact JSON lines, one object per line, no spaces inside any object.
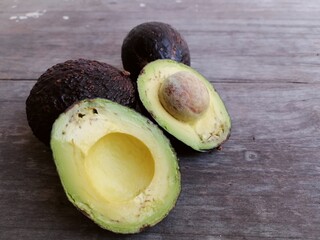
{"x":150,"y":41}
{"x":66,"y":83}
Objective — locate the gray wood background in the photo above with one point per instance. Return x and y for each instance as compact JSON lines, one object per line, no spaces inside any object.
{"x":263,"y":57}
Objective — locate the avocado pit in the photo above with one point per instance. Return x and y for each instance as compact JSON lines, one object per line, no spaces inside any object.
{"x":184,"y":96}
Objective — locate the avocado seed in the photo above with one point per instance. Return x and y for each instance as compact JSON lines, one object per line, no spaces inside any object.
{"x":184,"y":96}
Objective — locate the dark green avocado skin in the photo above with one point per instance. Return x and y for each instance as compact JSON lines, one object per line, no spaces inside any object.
{"x":151,"y":41}
{"x":66,"y":83}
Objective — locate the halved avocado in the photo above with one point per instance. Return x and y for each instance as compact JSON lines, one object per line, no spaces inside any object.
{"x":115,"y":165}
{"x":184,"y":103}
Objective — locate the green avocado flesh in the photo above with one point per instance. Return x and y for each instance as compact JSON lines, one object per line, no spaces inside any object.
{"x":115,"y":165}
{"x":206,"y":131}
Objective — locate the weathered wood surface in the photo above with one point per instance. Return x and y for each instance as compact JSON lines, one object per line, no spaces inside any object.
{"x":262,"y":56}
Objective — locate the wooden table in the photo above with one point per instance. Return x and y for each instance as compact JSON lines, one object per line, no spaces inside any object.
{"x":263,"y":58}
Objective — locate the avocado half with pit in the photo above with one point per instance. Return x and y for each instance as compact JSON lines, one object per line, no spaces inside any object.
{"x":184,"y":103}
{"x":115,"y":165}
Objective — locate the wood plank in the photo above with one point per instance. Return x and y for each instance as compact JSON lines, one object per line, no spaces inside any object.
{"x":273,"y":41}
{"x":263,"y":58}
{"x":293,"y":108}
{"x":263,"y":184}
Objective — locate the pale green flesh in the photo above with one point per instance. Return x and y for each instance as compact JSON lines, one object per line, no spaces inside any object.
{"x":207,"y":132}
{"x":115,"y":165}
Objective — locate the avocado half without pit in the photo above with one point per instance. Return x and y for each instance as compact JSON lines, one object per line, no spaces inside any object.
{"x":184,"y":103}
{"x":115,"y":165}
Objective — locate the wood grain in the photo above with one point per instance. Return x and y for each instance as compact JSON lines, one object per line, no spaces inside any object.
{"x":262,"y":57}
{"x":241,"y":40}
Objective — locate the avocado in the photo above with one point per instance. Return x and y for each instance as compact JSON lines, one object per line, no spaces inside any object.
{"x":65,"y":83}
{"x":115,"y":165}
{"x":150,"y":41}
{"x":184,"y":103}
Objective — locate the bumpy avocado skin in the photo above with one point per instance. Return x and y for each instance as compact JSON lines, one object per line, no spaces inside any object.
{"x":66,"y":83}
{"x":151,"y":41}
